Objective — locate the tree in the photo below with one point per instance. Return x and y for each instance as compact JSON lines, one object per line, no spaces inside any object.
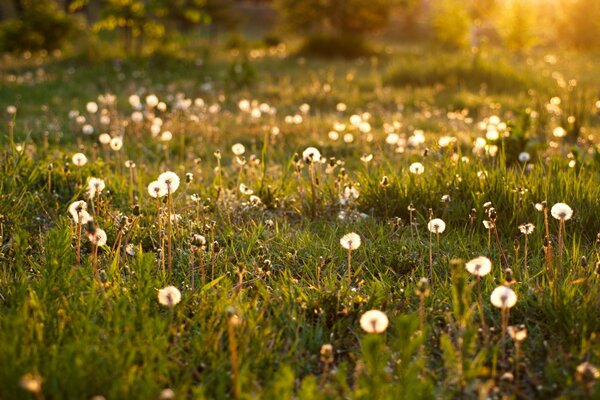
{"x":516,"y":24}
{"x":335,"y":17}
{"x":39,"y":25}
{"x":579,"y":23}
{"x":451,"y":23}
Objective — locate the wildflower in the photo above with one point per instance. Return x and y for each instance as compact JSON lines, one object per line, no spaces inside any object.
{"x":152,"y":100}
{"x":95,"y":187}
{"x":77,"y":209}
{"x":87,"y":129}
{"x":517,"y":333}
{"x":526,"y":229}
{"x":311,"y":155}
{"x":104,"y":138}
{"x":479,"y":266}
{"x":157,"y":189}
{"x":98,"y":237}
{"x":561,"y":211}
{"x":91,"y":107}
{"x":116,"y":143}
{"x":170,"y":180}
{"x":559,"y":132}
{"x":169,"y":296}
{"x":374,"y":321}
{"x":255,"y":200}
{"x":436,"y":226}
{"x":326,"y":353}
{"x":503,"y":297}
{"x":350,"y":241}
{"x":524,"y":157}
{"x":416,"y":168}
{"x":31,"y":383}
{"x":238,"y":149}
{"x":366,"y":158}
{"x":587,"y":374}
{"x":79,"y":159}
{"x":245,"y":189}
{"x":166,"y":136}
{"x":166,"y":394}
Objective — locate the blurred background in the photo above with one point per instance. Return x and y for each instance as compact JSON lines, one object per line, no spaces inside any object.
{"x":347,"y":28}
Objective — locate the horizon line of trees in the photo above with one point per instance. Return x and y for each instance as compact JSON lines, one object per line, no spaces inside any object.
{"x":516,"y":24}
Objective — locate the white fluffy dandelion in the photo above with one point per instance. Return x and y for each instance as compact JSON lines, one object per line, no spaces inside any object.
{"x":374,"y":321}
{"x":169,"y":296}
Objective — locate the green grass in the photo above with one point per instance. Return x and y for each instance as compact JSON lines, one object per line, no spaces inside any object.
{"x":280,"y":264}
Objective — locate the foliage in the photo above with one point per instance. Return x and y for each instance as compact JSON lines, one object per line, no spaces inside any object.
{"x":451,"y":23}
{"x":41,"y":26}
{"x":517,"y":25}
{"x":334,"y":17}
{"x":332,"y":47}
{"x":578,"y":23}
{"x":278,"y":265}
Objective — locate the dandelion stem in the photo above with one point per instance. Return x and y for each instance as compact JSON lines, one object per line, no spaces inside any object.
{"x":234,"y":357}
{"x":422,"y":323}
{"x":505,"y":311}
{"x":160,"y":236}
{"x":169,"y":230}
{"x":430,"y":253}
{"x":480,"y":306}
{"x":78,"y":251}
{"x":349,"y":267}
{"x":561,"y":228}
{"x":525,"y":273}
{"x":94,"y":262}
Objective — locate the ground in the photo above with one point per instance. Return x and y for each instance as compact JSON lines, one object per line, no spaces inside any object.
{"x":263,"y":277}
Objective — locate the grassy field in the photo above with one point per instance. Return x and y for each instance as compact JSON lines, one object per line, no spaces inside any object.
{"x":251,"y":236}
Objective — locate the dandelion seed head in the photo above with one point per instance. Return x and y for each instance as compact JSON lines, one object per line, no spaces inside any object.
{"x":480,"y":266}
{"x":311,"y":155}
{"x":503,"y":297}
{"x":98,"y":237}
{"x":169,"y":296}
{"x":416,"y":168}
{"x":157,"y":189}
{"x":79,"y":159}
{"x":436,"y":225}
{"x":526,"y":229}
{"x":561,"y":211}
{"x":350,"y":241}
{"x":170,"y":179}
{"x":374,"y":321}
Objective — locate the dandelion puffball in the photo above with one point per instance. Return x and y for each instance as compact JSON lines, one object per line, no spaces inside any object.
{"x":116,"y":143}
{"x":157,"y":189}
{"x":374,"y":321}
{"x":416,"y":168}
{"x":503,"y":297}
{"x":436,"y":225}
{"x":170,"y":179}
{"x":79,"y":159}
{"x":526,"y":229}
{"x":561,"y":211}
{"x":95,"y":186}
{"x":350,"y":241}
{"x":78,"y":212}
{"x":104,"y":138}
{"x":479,"y":266}
{"x":169,"y":296}
{"x":238,"y":149}
{"x":311,"y":155}
{"x":98,"y":238}
{"x":524,"y":157}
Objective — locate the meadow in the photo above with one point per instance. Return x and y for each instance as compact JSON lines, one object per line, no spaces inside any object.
{"x":220,"y":226}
